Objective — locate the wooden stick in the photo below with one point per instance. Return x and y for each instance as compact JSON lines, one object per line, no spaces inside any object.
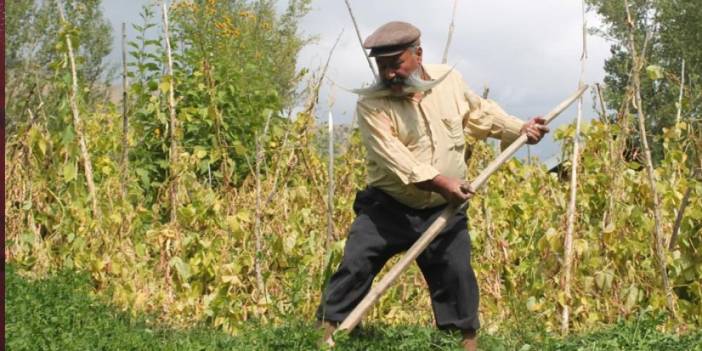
{"x":125,"y":120}
{"x":374,"y":295}
{"x":603,"y":107}
{"x":570,"y":230}
{"x":125,"y":132}
{"x":173,"y":152}
{"x":77,"y":123}
{"x":679,"y":218}
{"x":360,"y":40}
{"x":450,"y":33}
{"x":330,"y":176}
{"x":258,"y":236}
{"x":682,"y":89}
{"x":316,"y":86}
{"x":638,"y":60}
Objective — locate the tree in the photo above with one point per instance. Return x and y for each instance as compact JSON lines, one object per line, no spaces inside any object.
{"x":234,"y":66}
{"x":674,"y":27}
{"x":32,"y":56}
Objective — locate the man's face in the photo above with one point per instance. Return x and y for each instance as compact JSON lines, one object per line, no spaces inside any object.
{"x":395,"y":69}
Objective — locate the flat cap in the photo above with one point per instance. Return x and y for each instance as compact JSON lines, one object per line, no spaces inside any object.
{"x":392,"y":38}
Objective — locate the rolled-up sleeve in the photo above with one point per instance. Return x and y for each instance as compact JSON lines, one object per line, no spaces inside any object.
{"x":386,"y":150}
{"x":485,"y":118}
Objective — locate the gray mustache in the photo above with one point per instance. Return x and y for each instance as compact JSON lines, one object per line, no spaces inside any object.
{"x":412,"y":84}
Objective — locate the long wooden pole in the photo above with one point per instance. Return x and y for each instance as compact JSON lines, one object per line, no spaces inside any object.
{"x":374,"y":295}
{"x":173,"y":152}
{"x":570,"y":230}
{"x":125,"y":133}
{"x":77,"y":123}
{"x":603,"y":107}
{"x":638,"y":60}
{"x":360,"y":40}
{"x":682,"y":89}
{"x":330,"y":176}
{"x":258,"y":236}
{"x":125,"y":119}
{"x":444,"y":59}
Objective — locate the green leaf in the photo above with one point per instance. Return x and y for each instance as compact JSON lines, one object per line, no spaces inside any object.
{"x":655,"y":72}
{"x":152,"y":84}
{"x":239,"y":149}
{"x":69,"y":172}
{"x":580,"y":246}
{"x":165,"y":86}
{"x":181,"y":267}
{"x":140,"y":250}
{"x":27,"y":238}
{"x":41,"y":142}
{"x":200,"y":152}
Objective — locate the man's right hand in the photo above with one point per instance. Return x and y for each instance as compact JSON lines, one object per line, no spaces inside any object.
{"x":454,"y":190}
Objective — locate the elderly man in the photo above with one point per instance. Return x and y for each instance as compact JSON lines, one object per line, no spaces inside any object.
{"x":413,"y":124}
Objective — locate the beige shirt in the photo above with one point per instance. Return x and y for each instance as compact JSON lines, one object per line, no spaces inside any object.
{"x":412,"y":140}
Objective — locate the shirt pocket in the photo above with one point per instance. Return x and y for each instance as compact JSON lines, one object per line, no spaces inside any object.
{"x":454,"y":131}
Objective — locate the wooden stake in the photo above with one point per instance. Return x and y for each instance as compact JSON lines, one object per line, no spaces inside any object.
{"x":77,"y":123}
{"x":330,"y":176}
{"x":173,"y":152}
{"x":603,"y":106}
{"x":374,"y":295}
{"x":125,"y":119}
{"x":316,"y":86}
{"x":260,"y":153}
{"x":682,"y":88}
{"x":678,"y":219}
{"x":638,"y":62}
{"x":360,"y":40}
{"x":274,"y":185}
{"x":450,"y":33}
{"x":258,"y":240}
{"x":568,"y":242}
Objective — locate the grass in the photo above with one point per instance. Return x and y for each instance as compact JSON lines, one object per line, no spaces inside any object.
{"x":58,"y":313}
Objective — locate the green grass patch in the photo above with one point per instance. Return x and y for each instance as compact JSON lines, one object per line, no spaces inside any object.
{"x":58,"y":313}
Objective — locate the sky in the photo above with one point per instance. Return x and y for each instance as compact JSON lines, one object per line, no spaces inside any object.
{"x":527,"y":52}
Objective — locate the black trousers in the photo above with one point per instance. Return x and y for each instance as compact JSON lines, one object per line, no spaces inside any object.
{"x":383,"y":228}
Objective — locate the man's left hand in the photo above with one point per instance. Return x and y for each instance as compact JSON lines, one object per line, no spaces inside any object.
{"x":535,"y":129}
